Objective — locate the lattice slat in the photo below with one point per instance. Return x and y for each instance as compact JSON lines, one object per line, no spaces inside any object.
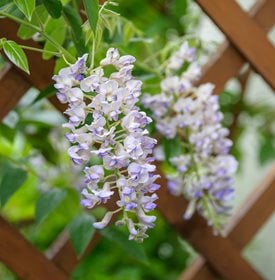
{"x":226,"y":258}
{"x":23,"y":258}
{"x":245,"y":34}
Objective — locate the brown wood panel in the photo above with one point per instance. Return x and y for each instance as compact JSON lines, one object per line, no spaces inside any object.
{"x":23,"y":258}
{"x":12,"y":87}
{"x":239,"y":28}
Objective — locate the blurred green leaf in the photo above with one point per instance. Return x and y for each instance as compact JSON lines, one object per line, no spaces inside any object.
{"x":267,"y":149}
{"x":132,"y":248}
{"x":171,"y":147}
{"x":81,"y":232}
{"x":3,"y":3}
{"x":91,"y":8}
{"x":75,"y":22}
{"x":54,"y":7}
{"x":55,"y":28}
{"x":16,"y":55}
{"x":180,"y":7}
{"x":48,"y":202}
{"x":26,"y":6}
{"x":40,"y":15}
{"x":11,"y":179}
{"x":7,"y":132}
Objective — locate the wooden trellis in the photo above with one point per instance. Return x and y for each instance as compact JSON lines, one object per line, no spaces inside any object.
{"x":219,"y":257}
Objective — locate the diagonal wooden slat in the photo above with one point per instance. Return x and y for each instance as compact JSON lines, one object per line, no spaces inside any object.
{"x":23,"y":258}
{"x":239,"y":29}
{"x":227,"y":61}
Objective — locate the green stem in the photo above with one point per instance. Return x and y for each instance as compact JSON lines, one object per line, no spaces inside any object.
{"x":93,"y":52}
{"x":39,"y":50}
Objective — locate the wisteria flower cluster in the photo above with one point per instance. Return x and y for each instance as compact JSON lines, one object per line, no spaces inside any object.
{"x":204,"y":167}
{"x":105,"y":123}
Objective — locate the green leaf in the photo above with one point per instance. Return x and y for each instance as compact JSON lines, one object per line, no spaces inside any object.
{"x":3,"y":3}
{"x":56,"y":29}
{"x":16,"y":55}
{"x":26,"y":7}
{"x":180,"y":7}
{"x":40,"y":16}
{"x":132,"y":248}
{"x":171,"y":147}
{"x":75,"y":22}
{"x":81,"y":232}
{"x":267,"y":149}
{"x":54,"y":7}
{"x":11,"y":179}
{"x":48,"y":202}
{"x":91,"y":8}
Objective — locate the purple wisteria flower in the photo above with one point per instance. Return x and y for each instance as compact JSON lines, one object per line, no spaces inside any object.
{"x":105,"y":123}
{"x":204,"y":169}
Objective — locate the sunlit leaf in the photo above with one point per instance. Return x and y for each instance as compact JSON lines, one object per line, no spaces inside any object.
{"x":26,"y":7}
{"x":16,"y":55}
{"x":39,"y":17}
{"x":56,"y":29}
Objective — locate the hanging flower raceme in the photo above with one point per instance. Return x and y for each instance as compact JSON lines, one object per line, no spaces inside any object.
{"x":106,"y":124}
{"x":203,"y":167}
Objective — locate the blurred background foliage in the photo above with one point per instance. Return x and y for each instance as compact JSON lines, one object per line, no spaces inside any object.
{"x":43,"y":199}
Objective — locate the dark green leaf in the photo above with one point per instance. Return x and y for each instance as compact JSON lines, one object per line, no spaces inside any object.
{"x":81,"y":232}
{"x":48,"y":202}
{"x":171,"y":147}
{"x":26,"y":6}
{"x":7,"y":132}
{"x":180,"y":8}
{"x":91,"y":8}
{"x":16,"y":55}
{"x":75,"y":22}
{"x":11,"y":178}
{"x":132,"y":248}
{"x":54,"y":7}
{"x":3,"y":3}
{"x":267,"y":149}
